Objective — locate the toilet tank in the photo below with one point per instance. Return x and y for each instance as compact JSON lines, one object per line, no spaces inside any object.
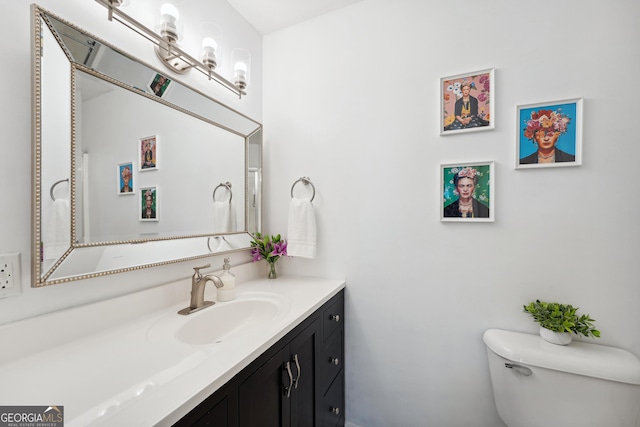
{"x":536,"y":383}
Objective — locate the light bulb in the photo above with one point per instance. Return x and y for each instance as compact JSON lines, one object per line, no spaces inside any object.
{"x":209,"y":57}
{"x":241,"y":75}
{"x":169,"y":27}
{"x":209,"y":43}
{"x":169,"y":13}
{"x":241,"y":60}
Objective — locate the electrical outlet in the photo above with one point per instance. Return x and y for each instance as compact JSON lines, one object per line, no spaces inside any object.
{"x":10,"y":275}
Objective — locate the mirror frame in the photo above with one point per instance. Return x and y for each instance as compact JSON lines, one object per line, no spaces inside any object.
{"x":39,"y":276}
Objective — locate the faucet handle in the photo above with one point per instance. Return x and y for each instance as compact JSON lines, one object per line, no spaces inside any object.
{"x":197,"y":269}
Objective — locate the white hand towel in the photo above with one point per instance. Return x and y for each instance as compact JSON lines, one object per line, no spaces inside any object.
{"x":301,"y":235}
{"x":224,"y":219}
{"x":57,"y":235}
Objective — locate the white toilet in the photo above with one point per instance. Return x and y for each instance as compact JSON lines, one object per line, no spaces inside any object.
{"x":539,"y":384}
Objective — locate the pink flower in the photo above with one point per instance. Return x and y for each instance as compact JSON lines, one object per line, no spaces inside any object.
{"x":546,"y":119}
{"x":467,"y":173}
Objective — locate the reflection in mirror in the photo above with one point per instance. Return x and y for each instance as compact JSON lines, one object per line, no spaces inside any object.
{"x":254,"y":181}
{"x":133,"y":182}
{"x":182,"y":166}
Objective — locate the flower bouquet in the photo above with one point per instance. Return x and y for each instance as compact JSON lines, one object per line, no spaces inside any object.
{"x":269,"y":248}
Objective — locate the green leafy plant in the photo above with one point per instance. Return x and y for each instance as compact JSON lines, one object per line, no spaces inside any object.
{"x":561,"y":318}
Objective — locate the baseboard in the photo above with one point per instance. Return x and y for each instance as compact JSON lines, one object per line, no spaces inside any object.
{"x":348,"y":424}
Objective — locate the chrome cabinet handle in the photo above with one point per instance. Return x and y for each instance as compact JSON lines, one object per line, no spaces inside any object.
{"x":334,"y":360}
{"x":334,"y":410}
{"x":519,"y":369}
{"x":295,"y":359}
{"x":335,"y":317}
{"x":287,"y":366}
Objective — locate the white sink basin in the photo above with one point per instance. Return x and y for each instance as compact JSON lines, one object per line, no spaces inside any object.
{"x":222,"y":321}
{"x":213,"y":323}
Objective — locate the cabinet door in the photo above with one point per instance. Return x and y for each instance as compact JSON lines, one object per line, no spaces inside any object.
{"x":263,"y":400}
{"x":331,"y":410}
{"x":304,"y":350}
{"x":219,"y":410}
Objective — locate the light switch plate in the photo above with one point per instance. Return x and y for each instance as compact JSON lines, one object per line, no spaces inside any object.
{"x":10,"y":283}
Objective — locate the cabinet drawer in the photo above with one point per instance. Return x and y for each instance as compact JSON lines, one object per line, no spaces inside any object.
{"x":331,"y":359}
{"x":333,"y":317}
{"x":331,"y":411}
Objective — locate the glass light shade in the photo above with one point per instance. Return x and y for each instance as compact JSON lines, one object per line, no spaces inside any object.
{"x":241,"y":60}
{"x":212,"y":38}
{"x":209,"y":43}
{"x":169,"y":13}
{"x":169,"y":24}
{"x":209,"y":57}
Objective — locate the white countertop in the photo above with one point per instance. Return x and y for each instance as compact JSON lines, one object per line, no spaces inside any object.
{"x":109,"y":364}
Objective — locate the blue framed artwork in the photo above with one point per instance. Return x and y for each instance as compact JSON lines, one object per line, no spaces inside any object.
{"x":125,"y":179}
{"x":549,"y":134}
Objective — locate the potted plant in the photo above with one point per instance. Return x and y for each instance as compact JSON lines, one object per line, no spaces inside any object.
{"x":558,"y":321}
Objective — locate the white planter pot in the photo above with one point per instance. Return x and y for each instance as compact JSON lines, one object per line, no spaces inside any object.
{"x":560,"y":338}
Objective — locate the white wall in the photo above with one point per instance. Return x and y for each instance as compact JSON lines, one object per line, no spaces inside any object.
{"x":351,"y":100}
{"x":15,"y":121}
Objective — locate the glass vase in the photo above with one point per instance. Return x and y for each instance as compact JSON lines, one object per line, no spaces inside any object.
{"x":272,"y":273}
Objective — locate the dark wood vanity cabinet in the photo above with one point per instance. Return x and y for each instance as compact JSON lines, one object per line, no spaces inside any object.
{"x":281,"y":391}
{"x":298,"y":382}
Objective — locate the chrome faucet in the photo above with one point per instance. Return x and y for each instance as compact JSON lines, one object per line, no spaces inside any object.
{"x":198,"y":282}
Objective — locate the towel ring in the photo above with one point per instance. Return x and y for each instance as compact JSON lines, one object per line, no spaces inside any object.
{"x":54,"y":186}
{"x":306,"y":181}
{"x":226,"y":185}
{"x":215,"y":237}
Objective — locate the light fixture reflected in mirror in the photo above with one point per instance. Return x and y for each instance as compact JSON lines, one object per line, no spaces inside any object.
{"x":241,"y":60}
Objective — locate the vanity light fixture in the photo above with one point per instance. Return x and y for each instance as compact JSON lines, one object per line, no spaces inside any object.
{"x":172,"y":55}
{"x":169,"y":23}
{"x":116,"y":3}
{"x":241,"y":60}
{"x":209,"y":57}
{"x":170,"y":32}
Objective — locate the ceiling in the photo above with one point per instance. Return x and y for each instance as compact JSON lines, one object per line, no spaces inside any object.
{"x":267,"y":16}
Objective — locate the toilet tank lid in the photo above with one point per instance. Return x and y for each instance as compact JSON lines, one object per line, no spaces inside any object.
{"x":581,"y":358}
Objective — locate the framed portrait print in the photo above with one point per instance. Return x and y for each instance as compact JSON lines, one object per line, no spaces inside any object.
{"x":125,"y":179}
{"x":148,"y":204}
{"x":148,"y":153}
{"x":159,"y":85}
{"x":467,"y":102}
{"x":467,"y":192}
{"x":549,"y":134}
